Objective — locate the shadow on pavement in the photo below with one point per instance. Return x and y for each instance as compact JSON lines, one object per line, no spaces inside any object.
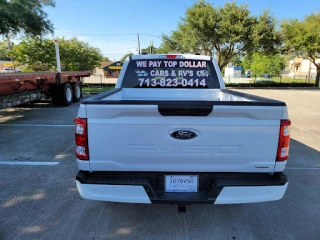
{"x":302,"y":156}
{"x":43,"y":203}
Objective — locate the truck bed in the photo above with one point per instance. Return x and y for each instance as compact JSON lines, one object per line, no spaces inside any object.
{"x":234,"y":127}
{"x":29,"y":76}
{"x":21,"y":88}
{"x":187,"y":96}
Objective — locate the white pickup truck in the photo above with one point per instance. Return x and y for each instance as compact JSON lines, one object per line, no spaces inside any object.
{"x":170,"y":132}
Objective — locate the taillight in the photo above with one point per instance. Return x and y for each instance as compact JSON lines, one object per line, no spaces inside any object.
{"x":284,"y":141}
{"x":82,"y":151}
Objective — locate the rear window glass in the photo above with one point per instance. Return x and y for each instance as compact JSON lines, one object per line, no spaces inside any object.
{"x":170,"y":73}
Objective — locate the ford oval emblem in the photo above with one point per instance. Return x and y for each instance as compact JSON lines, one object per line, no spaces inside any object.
{"x":183,"y":134}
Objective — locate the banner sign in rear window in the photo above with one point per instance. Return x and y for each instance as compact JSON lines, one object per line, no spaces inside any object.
{"x":170,"y":74}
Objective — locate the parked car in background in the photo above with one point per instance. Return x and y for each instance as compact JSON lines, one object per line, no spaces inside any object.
{"x":267,"y":75}
{"x":7,"y":70}
{"x":248,"y":73}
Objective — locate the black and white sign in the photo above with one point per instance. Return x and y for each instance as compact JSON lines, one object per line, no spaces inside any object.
{"x":167,"y":73}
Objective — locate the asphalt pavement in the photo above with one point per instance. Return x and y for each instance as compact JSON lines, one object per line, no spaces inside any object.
{"x":39,"y":199}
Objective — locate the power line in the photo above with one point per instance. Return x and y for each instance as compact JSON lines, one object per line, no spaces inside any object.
{"x":106,"y":34}
{"x":97,"y":34}
{"x":118,"y":49}
{"x":107,"y":54}
{"x":150,"y":35}
{"x":123,"y":50}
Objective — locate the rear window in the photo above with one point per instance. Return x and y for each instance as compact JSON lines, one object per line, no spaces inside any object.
{"x":170,"y":73}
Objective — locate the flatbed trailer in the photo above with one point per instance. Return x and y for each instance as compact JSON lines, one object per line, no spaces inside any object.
{"x":20,"y":88}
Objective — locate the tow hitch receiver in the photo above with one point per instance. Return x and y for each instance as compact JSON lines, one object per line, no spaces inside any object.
{"x":182,"y":208}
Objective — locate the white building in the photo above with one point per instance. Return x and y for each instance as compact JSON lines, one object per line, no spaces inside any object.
{"x":299,"y":67}
{"x":232,"y":72}
{"x":107,"y":73}
{"x":8,"y":64}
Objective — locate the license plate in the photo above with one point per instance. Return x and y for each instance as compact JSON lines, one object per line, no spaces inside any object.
{"x":181,"y":183}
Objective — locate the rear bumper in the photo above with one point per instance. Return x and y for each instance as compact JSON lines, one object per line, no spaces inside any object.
{"x":214,"y":188}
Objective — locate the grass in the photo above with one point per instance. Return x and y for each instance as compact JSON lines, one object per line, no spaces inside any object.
{"x":285,"y":80}
{"x":95,"y":89}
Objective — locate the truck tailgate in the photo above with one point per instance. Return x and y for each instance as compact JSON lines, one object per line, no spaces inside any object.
{"x":137,"y":138}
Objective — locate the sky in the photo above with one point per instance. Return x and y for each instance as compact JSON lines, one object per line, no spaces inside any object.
{"x":113,"y":25}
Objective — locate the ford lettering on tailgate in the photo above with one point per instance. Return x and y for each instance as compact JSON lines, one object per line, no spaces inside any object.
{"x":186,"y":150}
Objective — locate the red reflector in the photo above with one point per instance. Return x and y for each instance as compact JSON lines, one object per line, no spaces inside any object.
{"x":284,"y":141}
{"x":81,"y":139}
{"x":171,"y":56}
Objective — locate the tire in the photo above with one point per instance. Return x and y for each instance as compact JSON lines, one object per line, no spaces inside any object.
{"x":76,"y":92}
{"x":62,"y":95}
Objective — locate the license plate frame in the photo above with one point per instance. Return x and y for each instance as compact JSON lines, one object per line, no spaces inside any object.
{"x":182,"y":184}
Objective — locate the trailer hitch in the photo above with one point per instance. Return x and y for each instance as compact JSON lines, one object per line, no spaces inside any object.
{"x":182,"y":208}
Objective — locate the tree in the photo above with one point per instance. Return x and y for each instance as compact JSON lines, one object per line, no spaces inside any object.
{"x":105,"y":59}
{"x":303,"y":39}
{"x":260,"y":63}
{"x":4,"y":51}
{"x":39,"y":55}
{"x":224,"y":32}
{"x":147,"y":50}
{"x":162,"y":49}
{"x":236,"y":60}
{"x":25,"y":16}
{"x":125,"y":57}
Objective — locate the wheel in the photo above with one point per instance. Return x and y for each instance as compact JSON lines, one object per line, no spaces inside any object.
{"x":67,"y":94}
{"x":76,"y":92}
{"x":62,"y":95}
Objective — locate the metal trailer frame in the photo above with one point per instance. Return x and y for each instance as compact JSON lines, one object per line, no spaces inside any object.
{"x":21,"y":88}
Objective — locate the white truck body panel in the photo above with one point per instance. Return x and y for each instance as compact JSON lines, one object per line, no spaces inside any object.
{"x":235,"y":195}
{"x":137,"y":138}
{"x":136,"y":194}
{"x":113,"y":193}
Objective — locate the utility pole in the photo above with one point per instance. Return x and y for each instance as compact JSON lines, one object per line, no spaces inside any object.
{"x":151,"y":47}
{"x":139,"y":44}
